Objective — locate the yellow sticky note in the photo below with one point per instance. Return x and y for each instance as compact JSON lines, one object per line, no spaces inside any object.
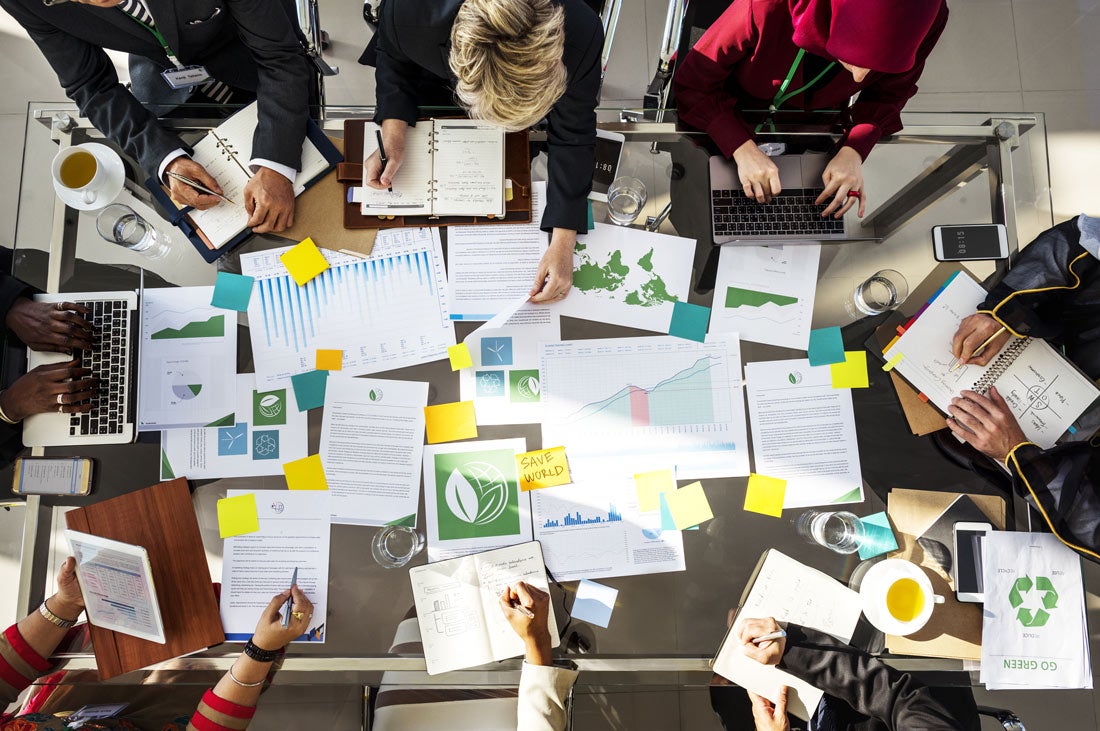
{"x":852,"y":373}
{"x":449,"y":422}
{"x":304,"y":261}
{"x":460,"y":357}
{"x":305,"y":474}
{"x":237,"y":515}
{"x":892,"y":363}
{"x":689,"y":506}
{"x":649,"y":485}
{"x":330,"y":360}
{"x":765,"y":495}
{"x":543,"y":468}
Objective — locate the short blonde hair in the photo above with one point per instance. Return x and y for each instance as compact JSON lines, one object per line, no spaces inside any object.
{"x":507,"y":55}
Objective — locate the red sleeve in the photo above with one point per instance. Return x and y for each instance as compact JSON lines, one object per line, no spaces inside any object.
{"x":217,"y":714}
{"x":702,"y":99}
{"x":25,"y":651}
{"x":877,"y":112}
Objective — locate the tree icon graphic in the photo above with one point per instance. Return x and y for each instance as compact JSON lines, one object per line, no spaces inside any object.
{"x":1049,"y":598}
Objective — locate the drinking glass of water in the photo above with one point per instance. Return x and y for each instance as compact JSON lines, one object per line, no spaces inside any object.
{"x":839,"y":531}
{"x":394,"y":546}
{"x":625,"y":199}
{"x":884,"y":290}
{"x":122,"y":225}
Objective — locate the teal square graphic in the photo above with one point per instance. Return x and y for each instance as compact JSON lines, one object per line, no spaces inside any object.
{"x":265,"y":445}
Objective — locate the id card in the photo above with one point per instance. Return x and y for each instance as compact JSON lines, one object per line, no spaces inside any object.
{"x":186,"y":76}
{"x":94,"y":713}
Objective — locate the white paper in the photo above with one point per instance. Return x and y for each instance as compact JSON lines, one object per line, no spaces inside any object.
{"x":294,"y":534}
{"x":491,"y":266}
{"x":621,"y":403}
{"x":372,"y":442}
{"x":804,"y":431}
{"x":472,"y":500}
{"x":468,"y":170}
{"x":384,"y":312}
{"x":117,"y":582}
{"x":188,"y":360}
{"x":766,"y":293}
{"x":625,"y":276}
{"x":1034,"y":628}
{"x":269,"y":431}
{"x":412,"y":186}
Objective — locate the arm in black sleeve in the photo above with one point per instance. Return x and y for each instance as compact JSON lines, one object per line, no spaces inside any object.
{"x":395,"y":76}
{"x":12,"y":289}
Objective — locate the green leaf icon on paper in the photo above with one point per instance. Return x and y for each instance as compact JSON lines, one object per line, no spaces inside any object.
{"x":479,"y":499}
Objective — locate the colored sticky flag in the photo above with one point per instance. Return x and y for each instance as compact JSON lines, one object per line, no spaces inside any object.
{"x":306,"y":473}
{"x":649,"y":485}
{"x":330,"y":360}
{"x":460,"y":357}
{"x":878,"y":536}
{"x":232,"y":291}
{"x":309,"y":389}
{"x":688,"y":506}
{"x":594,"y":603}
{"x":765,"y":495}
{"x":237,"y":515}
{"x":450,"y":422}
{"x":689,"y":321}
{"x":852,"y":373}
{"x":893,"y":362}
{"x":543,"y":468}
{"x":826,"y":346}
{"x":304,"y":261}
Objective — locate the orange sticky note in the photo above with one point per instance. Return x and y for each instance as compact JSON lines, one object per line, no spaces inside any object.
{"x":460,"y":357}
{"x":649,"y":486}
{"x":304,"y":261}
{"x":689,"y":506}
{"x":330,"y":360}
{"x":852,"y":373}
{"x":765,"y":495}
{"x":450,"y":422}
{"x":306,"y":473}
{"x":237,"y":515}
{"x":543,"y":468}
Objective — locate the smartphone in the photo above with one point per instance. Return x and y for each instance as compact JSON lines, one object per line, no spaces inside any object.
{"x":52,"y":476}
{"x":970,"y":242}
{"x":966,"y":570}
{"x":609,"y":148}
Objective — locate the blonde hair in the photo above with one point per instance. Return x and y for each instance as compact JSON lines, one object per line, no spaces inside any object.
{"x":507,"y":55}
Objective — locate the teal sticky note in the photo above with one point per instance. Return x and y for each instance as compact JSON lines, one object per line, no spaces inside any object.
{"x":689,"y":321}
{"x":667,"y":523}
{"x":591,"y":218}
{"x":232,"y":291}
{"x":826,"y":346}
{"x":878,"y":537}
{"x":309,"y":389}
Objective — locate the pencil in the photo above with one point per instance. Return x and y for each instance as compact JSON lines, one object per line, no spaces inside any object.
{"x":980,"y":349}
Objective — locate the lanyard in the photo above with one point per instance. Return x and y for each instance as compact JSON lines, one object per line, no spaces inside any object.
{"x":782,"y":95}
{"x":160,"y":39}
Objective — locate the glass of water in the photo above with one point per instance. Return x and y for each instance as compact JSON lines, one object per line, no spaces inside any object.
{"x":394,"y":546}
{"x":839,"y":531}
{"x":122,"y":225}
{"x":885,"y":290}
{"x":625,"y":199}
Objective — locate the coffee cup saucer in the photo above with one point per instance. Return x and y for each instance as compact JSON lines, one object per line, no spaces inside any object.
{"x":113,"y":182}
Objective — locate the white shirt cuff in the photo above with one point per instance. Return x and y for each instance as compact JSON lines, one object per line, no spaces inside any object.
{"x":178,"y":152}
{"x":286,"y":171}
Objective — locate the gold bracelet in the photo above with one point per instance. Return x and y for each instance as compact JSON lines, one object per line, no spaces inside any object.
{"x":4,"y":417}
{"x":54,"y":619}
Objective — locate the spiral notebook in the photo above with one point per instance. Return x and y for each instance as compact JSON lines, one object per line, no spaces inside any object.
{"x":452,"y":167}
{"x":1045,"y":391}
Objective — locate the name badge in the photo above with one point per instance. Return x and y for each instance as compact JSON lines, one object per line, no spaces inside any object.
{"x":186,"y":76}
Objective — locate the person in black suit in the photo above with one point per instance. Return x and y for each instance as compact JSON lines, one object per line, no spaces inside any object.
{"x":246,"y":49}
{"x":512,"y":63}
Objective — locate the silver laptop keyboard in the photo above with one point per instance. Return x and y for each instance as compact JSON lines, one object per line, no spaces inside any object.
{"x":108,"y":360}
{"x":792,"y":212}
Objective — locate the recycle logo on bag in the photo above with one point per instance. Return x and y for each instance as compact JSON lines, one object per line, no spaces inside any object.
{"x":1049,"y":598}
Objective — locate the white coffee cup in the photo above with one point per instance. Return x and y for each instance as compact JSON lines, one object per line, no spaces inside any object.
{"x":898,"y":586}
{"x":71,"y":168}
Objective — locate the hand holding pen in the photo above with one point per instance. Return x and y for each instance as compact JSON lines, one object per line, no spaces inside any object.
{"x":190,"y":184}
{"x":762,"y":640}
{"x":381,"y":166}
{"x":527,"y":610}
{"x":978,"y":339}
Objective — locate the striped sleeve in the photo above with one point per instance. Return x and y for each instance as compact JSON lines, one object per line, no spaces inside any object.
{"x":217,"y":714}
{"x":19,"y":665}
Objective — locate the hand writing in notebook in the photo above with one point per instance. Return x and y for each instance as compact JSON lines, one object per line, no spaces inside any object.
{"x":527,"y":610}
{"x":269,"y":200}
{"x":393,"y":139}
{"x":184,"y":193}
{"x":973,"y":331}
{"x":555,"y":274}
{"x":986,"y":422}
{"x":765,"y":652}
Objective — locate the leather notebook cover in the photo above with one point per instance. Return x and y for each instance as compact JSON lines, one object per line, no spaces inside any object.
{"x":517,"y":168}
{"x":161,"y":519}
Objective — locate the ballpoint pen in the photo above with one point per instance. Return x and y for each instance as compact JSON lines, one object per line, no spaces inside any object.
{"x":382,"y":154}
{"x":290,"y":600}
{"x":196,"y":185}
{"x":514,"y":604}
{"x":778,"y":635}
{"x":980,"y":349}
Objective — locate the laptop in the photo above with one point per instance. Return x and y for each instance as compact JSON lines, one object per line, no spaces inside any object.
{"x":113,"y":358}
{"x":789,"y":217}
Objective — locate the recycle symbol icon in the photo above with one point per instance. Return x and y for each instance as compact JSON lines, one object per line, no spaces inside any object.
{"x":1049,"y":599}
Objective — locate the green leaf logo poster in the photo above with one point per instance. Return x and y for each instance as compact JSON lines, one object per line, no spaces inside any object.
{"x":478,"y":494}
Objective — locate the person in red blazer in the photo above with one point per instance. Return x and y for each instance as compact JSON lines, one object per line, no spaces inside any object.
{"x":831,"y":50}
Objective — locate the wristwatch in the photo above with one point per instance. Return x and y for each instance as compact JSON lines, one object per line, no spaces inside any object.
{"x":54,"y":619}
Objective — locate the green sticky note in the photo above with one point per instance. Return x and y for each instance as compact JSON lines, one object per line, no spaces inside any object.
{"x":826,"y":346}
{"x":232,"y":291}
{"x":237,"y":515}
{"x":852,"y":373}
{"x":309,"y":389}
{"x":591,"y":219}
{"x":878,"y":537}
{"x":689,"y":321}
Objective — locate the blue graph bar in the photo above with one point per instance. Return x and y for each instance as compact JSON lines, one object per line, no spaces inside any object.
{"x":567,"y":521}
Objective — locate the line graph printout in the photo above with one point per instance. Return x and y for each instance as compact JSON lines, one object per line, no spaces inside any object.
{"x":388,"y":311}
{"x":766,"y":293}
{"x":622,"y":405}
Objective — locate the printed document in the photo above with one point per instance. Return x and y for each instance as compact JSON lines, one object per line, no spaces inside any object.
{"x":372,"y":443}
{"x":294,"y":534}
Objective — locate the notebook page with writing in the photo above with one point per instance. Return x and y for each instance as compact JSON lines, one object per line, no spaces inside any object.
{"x":469,"y":168}
{"x":448,"y":609}
{"x":790,"y":592}
{"x":499,"y":568}
{"x":412,"y":185}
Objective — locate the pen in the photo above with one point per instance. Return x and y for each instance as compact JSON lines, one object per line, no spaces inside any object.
{"x":778,"y":635}
{"x":978,"y":351}
{"x":382,"y":153}
{"x":290,"y":600}
{"x":196,"y":185}
{"x":514,"y":604}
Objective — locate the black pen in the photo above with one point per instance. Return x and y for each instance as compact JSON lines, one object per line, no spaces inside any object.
{"x":290,"y":600}
{"x":382,"y":154}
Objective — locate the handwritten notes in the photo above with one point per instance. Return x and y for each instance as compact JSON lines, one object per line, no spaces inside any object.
{"x":765,"y":495}
{"x":304,"y":261}
{"x":852,"y":373}
{"x":232,"y":291}
{"x":688,"y":506}
{"x":237,"y":516}
{"x":650,"y":484}
{"x":460,"y":357}
{"x":305,"y":474}
{"x":543,"y":468}
{"x":330,"y":360}
{"x":450,"y":422}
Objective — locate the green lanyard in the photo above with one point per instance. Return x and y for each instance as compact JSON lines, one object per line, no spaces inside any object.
{"x":160,"y":39}
{"x":782,"y":95}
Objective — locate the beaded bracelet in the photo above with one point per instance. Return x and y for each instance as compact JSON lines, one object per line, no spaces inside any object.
{"x":259,"y":654}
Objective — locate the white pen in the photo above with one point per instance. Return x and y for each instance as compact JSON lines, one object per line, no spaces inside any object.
{"x":778,"y":635}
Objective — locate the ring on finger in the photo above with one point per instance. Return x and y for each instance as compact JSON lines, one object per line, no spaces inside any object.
{"x":59,"y":401}
{"x":298,"y":615}
{"x":60,"y":306}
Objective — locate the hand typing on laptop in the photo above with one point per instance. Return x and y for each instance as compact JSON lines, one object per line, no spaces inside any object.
{"x":50,"y":326}
{"x":843,"y":178}
{"x":61,"y":387}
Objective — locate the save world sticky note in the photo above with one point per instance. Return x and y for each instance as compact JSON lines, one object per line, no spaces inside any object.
{"x":765,"y":495}
{"x":852,"y":373}
{"x":309,"y":389}
{"x":460,"y":357}
{"x":688,"y":506}
{"x":689,"y":321}
{"x":650,"y":484}
{"x":826,"y":346}
{"x":304,"y":261}
{"x":450,"y":422}
{"x":237,"y":515}
{"x":232,"y":291}
{"x":543,"y":468}
{"x":306,"y":473}
{"x":330,"y":360}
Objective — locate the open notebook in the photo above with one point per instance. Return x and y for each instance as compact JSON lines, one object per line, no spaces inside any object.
{"x":1045,"y":391}
{"x":452,"y":167}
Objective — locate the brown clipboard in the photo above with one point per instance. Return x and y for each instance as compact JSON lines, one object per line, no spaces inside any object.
{"x":517,"y":168}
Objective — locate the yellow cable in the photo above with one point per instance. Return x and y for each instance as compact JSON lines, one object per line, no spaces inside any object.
{"x":1012,"y":456}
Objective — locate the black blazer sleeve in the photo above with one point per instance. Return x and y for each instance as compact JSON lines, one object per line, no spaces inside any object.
{"x":865,"y":683}
{"x":11,"y":289}
{"x":396,"y":77}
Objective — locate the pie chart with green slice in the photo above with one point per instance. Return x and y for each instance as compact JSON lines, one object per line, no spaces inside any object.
{"x":185,"y":386}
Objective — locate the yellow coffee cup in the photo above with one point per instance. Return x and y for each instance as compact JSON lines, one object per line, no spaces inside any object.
{"x":897,"y":597}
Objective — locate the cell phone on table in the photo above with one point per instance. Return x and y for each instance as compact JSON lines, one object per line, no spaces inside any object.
{"x":970,"y":242}
{"x":52,"y":476}
{"x":966,"y":569}
{"x":609,"y":150}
